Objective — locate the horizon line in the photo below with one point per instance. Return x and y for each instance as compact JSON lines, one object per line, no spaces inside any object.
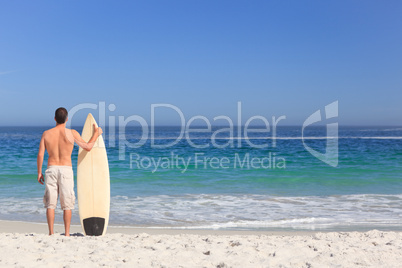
{"x":255,"y":126}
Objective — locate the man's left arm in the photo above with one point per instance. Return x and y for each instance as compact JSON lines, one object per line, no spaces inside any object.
{"x":39,"y":160}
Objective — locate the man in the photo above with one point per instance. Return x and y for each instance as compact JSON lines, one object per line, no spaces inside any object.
{"x":59,"y":143}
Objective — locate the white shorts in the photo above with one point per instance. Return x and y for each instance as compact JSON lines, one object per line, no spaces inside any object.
{"x":59,"y":180}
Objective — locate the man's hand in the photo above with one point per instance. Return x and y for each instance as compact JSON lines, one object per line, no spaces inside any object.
{"x":87,"y":146}
{"x":98,"y":130}
{"x":40,"y":178}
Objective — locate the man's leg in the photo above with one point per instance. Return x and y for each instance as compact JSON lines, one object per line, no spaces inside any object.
{"x":67,"y":196}
{"x":67,"y":221}
{"x":50,"y":220}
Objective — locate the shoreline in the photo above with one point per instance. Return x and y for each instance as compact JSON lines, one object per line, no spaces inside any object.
{"x":146,"y":247}
{"x":21,"y":227}
{"x":17,"y":226}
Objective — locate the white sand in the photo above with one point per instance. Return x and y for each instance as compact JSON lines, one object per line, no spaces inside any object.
{"x":165,"y":248}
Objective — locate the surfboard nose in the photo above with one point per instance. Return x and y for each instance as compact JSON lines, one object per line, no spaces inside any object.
{"x":94,"y":226}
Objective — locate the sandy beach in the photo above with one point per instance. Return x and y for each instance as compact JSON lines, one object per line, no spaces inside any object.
{"x":28,"y":245}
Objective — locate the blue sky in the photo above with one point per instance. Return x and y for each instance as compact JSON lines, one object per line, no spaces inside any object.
{"x":276,"y":57}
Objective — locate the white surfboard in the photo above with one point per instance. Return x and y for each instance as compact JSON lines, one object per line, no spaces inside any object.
{"x":93,"y":183}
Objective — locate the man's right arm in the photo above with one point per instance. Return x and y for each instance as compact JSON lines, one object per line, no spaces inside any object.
{"x":87,"y":146}
{"x":39,"y":159}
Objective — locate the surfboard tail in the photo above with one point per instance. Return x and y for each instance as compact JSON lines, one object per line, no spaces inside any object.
{"x":94,"y":226}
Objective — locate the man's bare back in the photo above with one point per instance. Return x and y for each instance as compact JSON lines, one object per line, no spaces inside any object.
{"x":59,"y":143}
{"x":58,"y":146}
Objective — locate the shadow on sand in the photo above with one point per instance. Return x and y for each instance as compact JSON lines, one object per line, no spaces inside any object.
{"x":75,"y":234}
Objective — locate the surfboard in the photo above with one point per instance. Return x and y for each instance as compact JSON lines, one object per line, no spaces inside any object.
{"x":93,"y":184}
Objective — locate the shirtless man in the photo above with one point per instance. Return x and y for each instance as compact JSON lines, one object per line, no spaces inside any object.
{"x":59,"y":143}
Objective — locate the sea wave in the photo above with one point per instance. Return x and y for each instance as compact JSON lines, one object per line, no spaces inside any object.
{"x":247,"y":211}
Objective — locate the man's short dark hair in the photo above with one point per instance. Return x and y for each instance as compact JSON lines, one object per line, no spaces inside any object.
{"x":61,"y":115}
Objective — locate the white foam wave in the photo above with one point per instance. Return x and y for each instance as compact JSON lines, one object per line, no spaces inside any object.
{"x":208,"y":211}
{"x":259,"y":211}
{"x":382,"y":129}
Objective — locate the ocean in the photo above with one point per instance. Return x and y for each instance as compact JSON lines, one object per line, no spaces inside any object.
{"x":216,"y":180}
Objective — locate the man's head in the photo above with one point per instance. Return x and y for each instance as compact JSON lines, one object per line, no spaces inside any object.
{"x":61,"y":115}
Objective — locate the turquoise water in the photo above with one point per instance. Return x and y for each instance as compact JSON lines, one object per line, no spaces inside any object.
{"x":291,"y":189}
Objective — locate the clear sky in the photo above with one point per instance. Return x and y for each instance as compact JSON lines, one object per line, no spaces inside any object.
{"x":276,"y":57}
